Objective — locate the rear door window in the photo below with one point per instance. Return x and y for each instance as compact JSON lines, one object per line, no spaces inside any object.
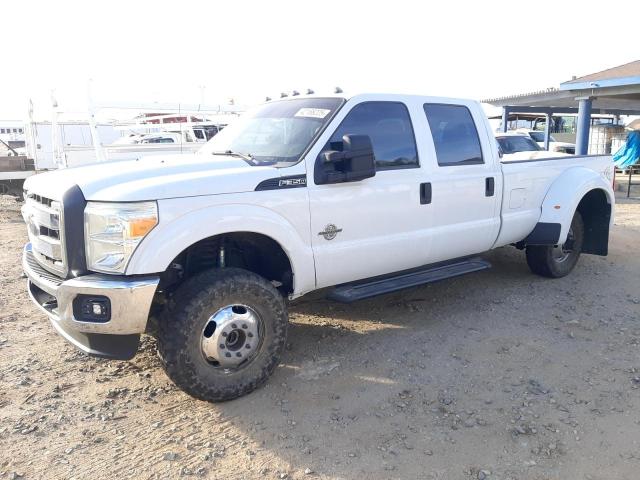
{"x":454,"y":134}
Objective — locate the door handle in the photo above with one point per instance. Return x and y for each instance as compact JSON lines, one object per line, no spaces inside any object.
{"x":425,"y":193}
{"x":489,"y":186}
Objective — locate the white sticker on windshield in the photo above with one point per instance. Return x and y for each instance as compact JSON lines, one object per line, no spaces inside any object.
{"x":312,"y":112}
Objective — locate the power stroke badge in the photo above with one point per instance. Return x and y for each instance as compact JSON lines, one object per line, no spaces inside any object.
{"x":330,"y":232}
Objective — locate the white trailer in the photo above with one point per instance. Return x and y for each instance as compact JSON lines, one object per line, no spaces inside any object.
{"x":158,"y":129}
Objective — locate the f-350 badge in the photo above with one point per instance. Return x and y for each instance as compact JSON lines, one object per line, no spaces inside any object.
{"x":330,"y":232}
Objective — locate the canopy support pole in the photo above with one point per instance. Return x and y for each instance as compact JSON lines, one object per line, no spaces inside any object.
{"x":584,"y":124}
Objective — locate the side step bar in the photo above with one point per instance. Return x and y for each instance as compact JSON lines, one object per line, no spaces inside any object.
{"x":350,"y":292}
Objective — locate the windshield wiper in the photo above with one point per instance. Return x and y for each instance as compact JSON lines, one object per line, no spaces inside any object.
{"x":245,"y":156}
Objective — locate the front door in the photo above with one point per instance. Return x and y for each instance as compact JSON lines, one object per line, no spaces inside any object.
{"x":377,"y":225}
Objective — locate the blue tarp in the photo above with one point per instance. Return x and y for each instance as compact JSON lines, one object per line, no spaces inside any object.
{"x":629,"y":153}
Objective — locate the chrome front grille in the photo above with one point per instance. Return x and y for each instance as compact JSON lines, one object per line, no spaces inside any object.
{"x":43,"y":218}
{"x":38,"y":270}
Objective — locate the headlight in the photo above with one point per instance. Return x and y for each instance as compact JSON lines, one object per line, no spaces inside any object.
{"x":112,"y":231}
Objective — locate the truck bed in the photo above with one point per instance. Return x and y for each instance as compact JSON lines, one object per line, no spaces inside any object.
{"x":526,"y":183}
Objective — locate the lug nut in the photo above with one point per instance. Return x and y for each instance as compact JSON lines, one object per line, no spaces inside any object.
{"x":227,"y":354}
{"x":222,"y":346}
{"x":250,"y":335}
{"x":244,"y":325}
{"x":234,"y":326}
{"x":238,"y":354}
{"x":247,"y":346}
{"x":224,"y":334}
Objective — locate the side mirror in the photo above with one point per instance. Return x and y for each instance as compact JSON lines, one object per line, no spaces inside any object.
{"x":355,"y":162}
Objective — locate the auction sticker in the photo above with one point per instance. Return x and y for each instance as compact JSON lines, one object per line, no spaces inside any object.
{"x":312,"y":112}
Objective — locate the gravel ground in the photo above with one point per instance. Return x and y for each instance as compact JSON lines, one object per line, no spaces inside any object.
{"x":496,"y":375}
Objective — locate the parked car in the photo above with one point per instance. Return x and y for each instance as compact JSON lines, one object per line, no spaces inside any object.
{"x":366,"y":194}
{"x":518,"y":146}
{"x":554,"y":145}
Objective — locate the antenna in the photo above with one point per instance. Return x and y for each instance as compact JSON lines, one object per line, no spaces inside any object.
{"x":58,"y":155}
{"x":93,"y":128}
{"x":54,"y":102}
{"x":337,"y":90}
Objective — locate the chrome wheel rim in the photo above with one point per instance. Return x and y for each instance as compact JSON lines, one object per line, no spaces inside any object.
{"x":562,"y":252}
{"x":231,"y":337}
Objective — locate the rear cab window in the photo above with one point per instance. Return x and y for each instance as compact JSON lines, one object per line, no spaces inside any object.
{"x":455,"y":135}
{"x":199,"y":134}
{"x":389,"y":127}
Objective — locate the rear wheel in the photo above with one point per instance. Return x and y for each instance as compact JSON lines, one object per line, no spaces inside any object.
{"x":223,"y":334}
{"x":555,"y":261}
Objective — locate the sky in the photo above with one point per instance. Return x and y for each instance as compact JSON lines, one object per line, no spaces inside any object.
{"x":185,"y":51}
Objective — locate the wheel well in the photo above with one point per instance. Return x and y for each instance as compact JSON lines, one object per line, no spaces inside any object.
{"x":251,"y":251}
{"x":596,"y":215}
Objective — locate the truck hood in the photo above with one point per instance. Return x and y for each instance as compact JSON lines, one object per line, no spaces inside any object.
{"x":563,"y":144}
{"x":517,"y":156}
{"x":561,"y":147}
{"x":154,"y":178}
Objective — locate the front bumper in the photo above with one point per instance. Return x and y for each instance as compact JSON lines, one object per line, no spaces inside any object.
{"x":130,"y":299}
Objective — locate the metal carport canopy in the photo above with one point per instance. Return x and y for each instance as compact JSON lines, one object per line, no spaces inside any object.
{"x":615,"y":91}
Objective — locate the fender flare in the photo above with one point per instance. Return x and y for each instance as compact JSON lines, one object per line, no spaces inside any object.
{"x":177,"y":232}
{"x":562,"y":200}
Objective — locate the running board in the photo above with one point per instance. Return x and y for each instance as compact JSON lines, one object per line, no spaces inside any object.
{"x":350,"y":292}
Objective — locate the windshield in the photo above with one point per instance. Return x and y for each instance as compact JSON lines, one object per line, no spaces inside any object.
{"x":517,"y":143}
{"x":539,"y":137}
{"x":276,"y":133}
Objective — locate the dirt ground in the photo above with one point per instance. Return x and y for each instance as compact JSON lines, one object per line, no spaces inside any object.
{"x":496,"y":375}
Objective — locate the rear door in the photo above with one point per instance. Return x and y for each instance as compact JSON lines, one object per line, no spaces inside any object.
{"x":378,"y":225}
{"x":466,"y":181}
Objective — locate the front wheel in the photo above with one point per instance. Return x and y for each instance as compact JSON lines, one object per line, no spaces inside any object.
{"x":223,"y":334}
{"x":555,"y":261}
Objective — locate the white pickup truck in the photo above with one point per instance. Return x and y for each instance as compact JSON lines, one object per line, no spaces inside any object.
{"x":366,"y":195}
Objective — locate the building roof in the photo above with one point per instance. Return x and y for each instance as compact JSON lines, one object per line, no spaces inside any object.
{"x":631,"y":69}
